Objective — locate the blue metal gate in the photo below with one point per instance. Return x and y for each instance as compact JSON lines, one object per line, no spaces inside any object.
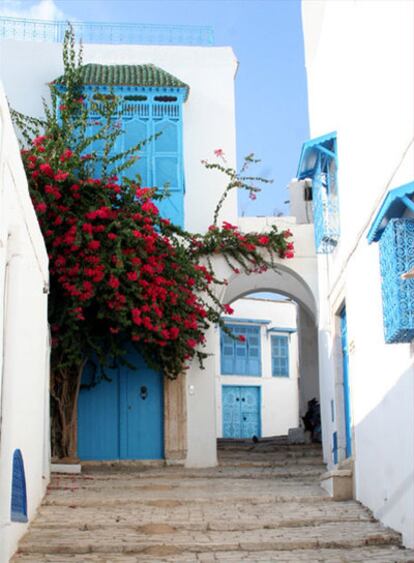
{"x":122,"y":418}
{"x":345,"y":371}
{"x":241,"y":411}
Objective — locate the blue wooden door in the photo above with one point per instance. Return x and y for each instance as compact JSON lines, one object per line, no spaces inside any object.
{"x":122,"y":418}
{"x":250,"y":411}
{"x":142,"y":418}
{"x":241,"y":411}
{"x":345,"y":370}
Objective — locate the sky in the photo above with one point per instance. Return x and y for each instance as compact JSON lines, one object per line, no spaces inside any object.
{"x":271,"y":97}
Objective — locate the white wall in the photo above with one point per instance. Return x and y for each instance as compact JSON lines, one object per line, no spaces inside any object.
{"x":279,"y":395}
{"x":360,"y":60}
{"x":24,"y":338}
{"x":209,"y":113}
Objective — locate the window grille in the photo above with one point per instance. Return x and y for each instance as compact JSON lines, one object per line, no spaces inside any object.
{"x":397,"y":257}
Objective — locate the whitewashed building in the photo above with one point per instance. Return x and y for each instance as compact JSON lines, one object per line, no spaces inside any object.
{"x":355,"y":177}
{"x":201,"y":81}
{"x":24,"y":345}
{"x":257,"y":380}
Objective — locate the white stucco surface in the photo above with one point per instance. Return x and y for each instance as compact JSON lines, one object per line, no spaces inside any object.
{"x":209,"y":113}
{"x":24,"y":339}
{"x":360,"y":60}
{"x":279,"y":395}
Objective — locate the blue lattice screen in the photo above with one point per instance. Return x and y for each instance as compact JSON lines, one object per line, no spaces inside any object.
{"x":397,"y":257}
{"x":18,"y":506}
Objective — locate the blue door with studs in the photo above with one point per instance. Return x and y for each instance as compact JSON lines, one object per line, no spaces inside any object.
{"x":121,"y":417}
{"x":241,"y":411}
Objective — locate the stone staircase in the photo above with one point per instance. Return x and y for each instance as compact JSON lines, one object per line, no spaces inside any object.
{"x":262,"y":503}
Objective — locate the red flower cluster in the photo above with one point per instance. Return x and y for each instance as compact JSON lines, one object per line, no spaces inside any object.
{"x":116,"y":271}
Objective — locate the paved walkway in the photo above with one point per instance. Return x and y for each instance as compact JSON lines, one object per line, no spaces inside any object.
{"x":263,"y":503}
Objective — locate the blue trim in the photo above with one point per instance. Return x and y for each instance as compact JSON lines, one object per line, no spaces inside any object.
{"x":345,"y":372}
{"x":393,"y":207}
{"x":248,"y":321}
{"x":279,"y":329}
{"x":18,"y":504}
{"x":313,"y":144}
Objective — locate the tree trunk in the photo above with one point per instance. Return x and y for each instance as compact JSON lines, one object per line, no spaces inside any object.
{"x":64,"y":389}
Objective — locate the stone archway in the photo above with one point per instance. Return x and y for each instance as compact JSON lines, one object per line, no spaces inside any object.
{"x":295,"y":278}
{"x":288,"y":283}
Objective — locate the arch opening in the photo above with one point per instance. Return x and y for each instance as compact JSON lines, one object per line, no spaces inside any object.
{"x":266,"y":396}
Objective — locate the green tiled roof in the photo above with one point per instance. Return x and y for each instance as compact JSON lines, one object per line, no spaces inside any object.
{"x":129,"y":75}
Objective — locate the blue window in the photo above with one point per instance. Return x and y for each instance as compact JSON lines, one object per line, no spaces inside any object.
{"x":280,"y":356}
{"x":157,"y":121}
{"x":149,"y":109}
{"x":18,"y":493}
{"x":241,"y":358}
{"x":318,"y":162}
{"x":393,"y":227}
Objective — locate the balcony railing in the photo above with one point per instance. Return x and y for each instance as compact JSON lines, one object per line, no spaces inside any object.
{"x":106,"y":33}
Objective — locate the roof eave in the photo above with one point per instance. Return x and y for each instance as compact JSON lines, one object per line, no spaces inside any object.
{"x":392,"y":207}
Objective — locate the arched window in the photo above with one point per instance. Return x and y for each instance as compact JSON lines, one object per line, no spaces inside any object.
{"x":18,"y":492}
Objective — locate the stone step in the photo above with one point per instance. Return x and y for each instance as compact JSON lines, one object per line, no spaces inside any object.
{"x":377,"y":554}
{"x":124,"y":540}
{"x":256,"y":472}
{"x":215,"y":491}
{"x":272,"y":453}
{"x":264,"y":461}
{"x":209,"y":517}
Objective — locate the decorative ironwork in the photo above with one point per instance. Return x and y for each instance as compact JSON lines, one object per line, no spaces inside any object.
{"x":325,"y":211}
{"x":397,"y":257}
{"x":106,"y":33}
{"x":319,"y":163}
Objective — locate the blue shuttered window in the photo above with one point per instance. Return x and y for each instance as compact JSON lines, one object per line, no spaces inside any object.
{"x":280,"y":356}
{"x":241,"y":358}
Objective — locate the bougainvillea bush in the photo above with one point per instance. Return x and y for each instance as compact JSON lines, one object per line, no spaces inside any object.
{"x":120,"y":273}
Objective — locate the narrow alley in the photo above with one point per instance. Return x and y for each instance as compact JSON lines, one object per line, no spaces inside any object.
{"x":262,"y":503}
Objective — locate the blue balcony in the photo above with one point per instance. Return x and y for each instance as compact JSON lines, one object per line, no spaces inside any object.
{"x":393,"y":227}
{"x":318,"y":162}
{"x":396,"y":258}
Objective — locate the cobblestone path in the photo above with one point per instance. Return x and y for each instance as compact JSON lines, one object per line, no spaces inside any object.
{"x":263,"y":503}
